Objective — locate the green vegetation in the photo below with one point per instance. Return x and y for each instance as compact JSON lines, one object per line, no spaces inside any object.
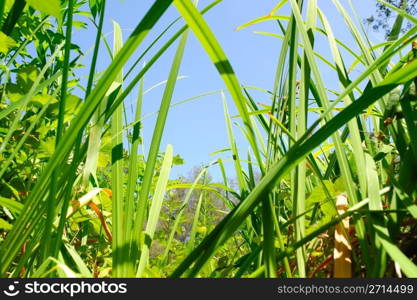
{"x":79,"y":196}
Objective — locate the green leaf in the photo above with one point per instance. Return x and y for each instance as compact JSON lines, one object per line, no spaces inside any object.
{"x":339,"y":186}
{"x":8,"y":4}
{"x":29,"y":219}
{"x":117,"y":165}
{"x":263,"y":19}
{"x":328,"y":209}
{"x":319,"y":194}
{"x":4,"y":225}
{"x":11,"y":204}
{"x":178,"y":160}
{"x":47,"y":147}
{"x":94,"y":6}
{"x":155,"y":209}
{"x":82,"y":267}
{"x":72,"y":104}
{"x":106,"y":201}
{"x":43,"y":99}
{"x":6,"y":43}
{"x":218,"y":57}
{"x":25,"y":79}
{"x":373,"y":183}
{"x":157,"y":136}
{"x":104,"y":159}
{"x":231,"y":222}
{"x":50,"y":7}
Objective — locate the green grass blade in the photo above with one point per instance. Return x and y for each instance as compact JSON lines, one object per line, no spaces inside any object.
{"x":22,"y":228}
{"x":179,"y":214}
{"x":132,"y":179}
{"x":119,"y":247}
{"x":156,"y":141}
{"x":235,"y":154}
{"x":155,"y":209}
{"x":229,"y":225}
{"x":60,"y":128}
{"x":209,"y":42}
{"x":191,"y":241}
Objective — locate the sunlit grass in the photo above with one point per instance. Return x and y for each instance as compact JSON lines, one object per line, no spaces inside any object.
{"x":80,"y":196}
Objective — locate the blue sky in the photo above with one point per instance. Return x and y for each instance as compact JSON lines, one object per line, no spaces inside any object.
{"x":197,"y":128}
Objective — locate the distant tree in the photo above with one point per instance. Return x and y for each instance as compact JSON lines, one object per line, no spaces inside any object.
{"x":383,"y":17}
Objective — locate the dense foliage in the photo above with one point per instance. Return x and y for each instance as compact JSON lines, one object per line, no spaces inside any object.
{"x":327,"y":188}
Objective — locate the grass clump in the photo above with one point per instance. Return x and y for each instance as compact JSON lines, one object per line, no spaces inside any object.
{"x":326,"y":189}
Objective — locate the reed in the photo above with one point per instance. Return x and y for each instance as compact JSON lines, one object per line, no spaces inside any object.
{"x":326,"y":188}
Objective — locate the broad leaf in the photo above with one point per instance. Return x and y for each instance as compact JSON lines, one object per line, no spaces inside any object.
{"x":50,"y":7}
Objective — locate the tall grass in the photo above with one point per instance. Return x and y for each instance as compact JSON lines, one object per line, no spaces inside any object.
{"x":309,"y":146}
